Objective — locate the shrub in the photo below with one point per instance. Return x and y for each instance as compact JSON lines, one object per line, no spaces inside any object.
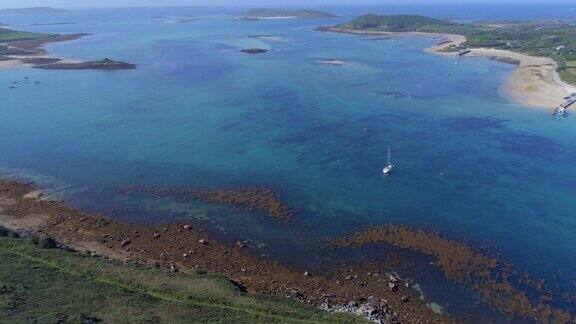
{"x":4,"y":232}
{"x":34,"y":239}
{"x":47,"y":242}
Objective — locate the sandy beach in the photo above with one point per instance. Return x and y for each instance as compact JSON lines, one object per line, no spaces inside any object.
{"x":535,"y":83}
{"x":11,"y":64}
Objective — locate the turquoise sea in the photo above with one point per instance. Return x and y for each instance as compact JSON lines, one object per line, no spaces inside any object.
{"x":197,"y":113}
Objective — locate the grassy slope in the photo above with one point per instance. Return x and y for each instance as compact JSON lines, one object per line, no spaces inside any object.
{"x":13,"y":35}
{"x":395,"y":23}
{"x":48,"y":286}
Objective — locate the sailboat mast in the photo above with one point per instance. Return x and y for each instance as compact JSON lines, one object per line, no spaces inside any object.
{"x":389,"y":156}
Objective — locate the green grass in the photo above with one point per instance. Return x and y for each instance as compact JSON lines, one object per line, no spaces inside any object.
{"x":568,"y":76}
{"x":7,"y":35}
{"x":395,"y":23}
{"x":50,"y":286}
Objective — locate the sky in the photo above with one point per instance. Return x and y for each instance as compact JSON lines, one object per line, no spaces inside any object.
{"x":260,"y":3}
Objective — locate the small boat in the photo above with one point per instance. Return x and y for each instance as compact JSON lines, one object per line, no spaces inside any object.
{"x":389,"y":167}
{"x":561,"y":112}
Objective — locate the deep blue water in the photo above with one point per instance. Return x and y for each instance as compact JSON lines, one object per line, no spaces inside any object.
{"x":198,"y":113}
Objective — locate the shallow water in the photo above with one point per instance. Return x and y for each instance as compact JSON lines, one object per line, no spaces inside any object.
{"x":197,"y":113}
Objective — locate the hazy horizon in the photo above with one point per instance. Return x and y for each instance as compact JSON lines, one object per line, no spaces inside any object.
{"x":259,"y":3}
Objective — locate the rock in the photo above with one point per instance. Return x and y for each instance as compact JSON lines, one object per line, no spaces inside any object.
{"x":373,"y":301}
{"x":241,"y":244}
{"x":187,"y":227}
{"x":125,"y":242}
{"x":155,"y":235}
{"x":393,"y":278}
{"x":254,"y":51}
{"x":405,"y":299}
{"x":202,"y":241}
{"x":393,"y":286}
{"x":366,"y":310}
{"x":307,"y":274}
{"x":295,"y":294}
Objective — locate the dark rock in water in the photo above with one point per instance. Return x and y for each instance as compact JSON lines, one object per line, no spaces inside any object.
{"x":254,"y":51}
{"x":260,"y":36}
{"x":393,"y":94}
{"x":247,"y":19}
{"x":105,"y":64}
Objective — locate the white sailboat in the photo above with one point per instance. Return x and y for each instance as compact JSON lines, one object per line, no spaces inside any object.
{"x":389,"y":167}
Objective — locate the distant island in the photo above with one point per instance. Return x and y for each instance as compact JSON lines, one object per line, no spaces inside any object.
{"x":25,"y":49}
{"x":31,"y":10}
{"x":545,"y":51}
{"x":278,"y":13}
{"x":105,"y":64}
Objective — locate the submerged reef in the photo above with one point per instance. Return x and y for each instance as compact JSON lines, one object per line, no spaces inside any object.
{"x":248,"y":198}
{"x":488,"y":276}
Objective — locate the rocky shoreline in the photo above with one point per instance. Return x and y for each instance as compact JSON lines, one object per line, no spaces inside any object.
{"x":370,"y":289}
{"x":31,"y":53}
{"x":365,"y":289}
{"x":105,"y":64}
{"x":491,"y":277}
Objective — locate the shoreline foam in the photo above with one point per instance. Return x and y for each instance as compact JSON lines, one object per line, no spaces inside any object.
{"x":535,"y":83}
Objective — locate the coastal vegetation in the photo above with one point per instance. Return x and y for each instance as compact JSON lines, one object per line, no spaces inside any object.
{"x":27,"y":48}
{"x":554,"y":39}
{"x":40,"y":283}
{"x":105,"y":64}
{"x":7,"y":35}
